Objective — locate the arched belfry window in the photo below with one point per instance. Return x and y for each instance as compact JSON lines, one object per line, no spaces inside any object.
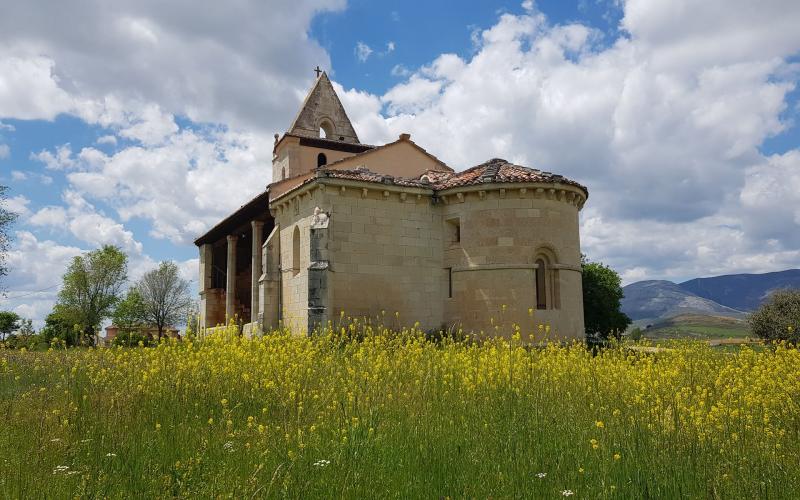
{"x":296,"y":251}
{"x":326,"y":130}
{"x":321,"y":160}
{"x":541,"y":284}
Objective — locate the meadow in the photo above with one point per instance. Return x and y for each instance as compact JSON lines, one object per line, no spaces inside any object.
{"x":374,"y":412}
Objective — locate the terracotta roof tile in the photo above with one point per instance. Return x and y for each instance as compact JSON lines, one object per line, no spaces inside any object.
{"x":498,"y":170}
{"x":495,"y":171}
{"x":364,"y":175}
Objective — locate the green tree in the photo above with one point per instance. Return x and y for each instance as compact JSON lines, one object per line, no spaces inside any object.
{"x":9,"y":321}
{"x":602,"y":296}
{"x":166,"y":297}
{"x":129,"y":315}
{"x":92,"y":287}
{"x":57,"y":327}
{"x":23,"y":337}
{"x":778,"y":319}
{"x":7,"y":218}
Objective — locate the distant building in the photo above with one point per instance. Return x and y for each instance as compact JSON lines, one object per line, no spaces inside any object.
{"x":151,"y":332}
{"x":349,"y":227}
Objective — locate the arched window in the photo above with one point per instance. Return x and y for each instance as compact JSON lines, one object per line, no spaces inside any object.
{"x":541,"y":284}
{"x":321,"y":160}
{"x":283,"y":173}
{"x":326,"y":129}
{"x":296,"y":251}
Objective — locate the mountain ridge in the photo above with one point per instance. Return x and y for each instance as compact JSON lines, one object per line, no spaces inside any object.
{"x":654,"y":299}
{"x":744,"y":292}
{"x":730,"y":295}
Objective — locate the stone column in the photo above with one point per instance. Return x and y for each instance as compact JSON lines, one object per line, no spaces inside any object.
{"x":269,"y":294}
{"x":255,"y":255}
{"x":205,"y":283}
{"x":230,"y":283}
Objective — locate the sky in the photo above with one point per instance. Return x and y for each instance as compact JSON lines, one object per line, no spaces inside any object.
{"x":143,"y":123}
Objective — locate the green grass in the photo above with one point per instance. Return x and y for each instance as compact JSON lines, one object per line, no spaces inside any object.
{"x":697,"y":327}
{"x":394,"y":416}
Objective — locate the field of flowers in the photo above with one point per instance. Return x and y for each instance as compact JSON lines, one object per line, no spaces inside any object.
{"x":392,"y":414}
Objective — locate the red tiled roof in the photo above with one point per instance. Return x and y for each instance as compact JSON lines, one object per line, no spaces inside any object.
{"x":364,"y":175}
{"x":495,"y":171}
{"x":498,"y":170}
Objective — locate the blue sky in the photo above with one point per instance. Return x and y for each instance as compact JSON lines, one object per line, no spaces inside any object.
{"x":138,"y":125}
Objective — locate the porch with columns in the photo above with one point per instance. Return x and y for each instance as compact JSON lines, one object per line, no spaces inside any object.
{"x":231,"y":265}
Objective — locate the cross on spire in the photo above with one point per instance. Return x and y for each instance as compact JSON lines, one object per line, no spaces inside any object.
{"x":317,"y":70}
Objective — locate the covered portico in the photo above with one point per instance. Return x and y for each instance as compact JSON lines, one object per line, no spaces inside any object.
{"x":230,"y":264}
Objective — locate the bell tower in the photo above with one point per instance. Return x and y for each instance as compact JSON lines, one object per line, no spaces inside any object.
{"x":323,"y":116}
{"x":320,"y":134}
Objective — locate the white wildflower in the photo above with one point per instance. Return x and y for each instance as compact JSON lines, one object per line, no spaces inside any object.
{"x":60,"y":468}
{"x":541,"y":475}
{"x":567,"y":493}
{"x":322,"y":463}
{"x":111,"y":454}
{"x":228,"y":446}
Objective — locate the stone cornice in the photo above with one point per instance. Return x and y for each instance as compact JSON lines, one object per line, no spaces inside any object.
{"x":538,"y":190}
{"x":485,"y":267}
{"x":566,"y":193}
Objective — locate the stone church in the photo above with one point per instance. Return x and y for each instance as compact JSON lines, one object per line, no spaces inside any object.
{"x":350,"y":228}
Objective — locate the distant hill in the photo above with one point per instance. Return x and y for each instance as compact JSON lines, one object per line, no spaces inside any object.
{"x":663,"y":299}
{"x":744,"y":292}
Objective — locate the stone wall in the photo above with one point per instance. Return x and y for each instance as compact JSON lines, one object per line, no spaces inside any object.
{"x":393,"y":250}
{"x":502,"y":231}
{"x":386,"y":254}
{"x":297,"y":215}
{"x":293,"y":159}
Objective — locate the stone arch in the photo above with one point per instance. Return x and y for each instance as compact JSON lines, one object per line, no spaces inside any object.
{"x":546,"y":279}
{"x":547,"y":253}
{"x":326,"y":129}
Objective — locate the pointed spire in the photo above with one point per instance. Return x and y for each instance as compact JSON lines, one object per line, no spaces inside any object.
{"x":323,"y":109}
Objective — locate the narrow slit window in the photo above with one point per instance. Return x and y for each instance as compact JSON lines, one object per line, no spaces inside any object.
{"x":296,"y":251}
{"x":322,"y":160}
{"x":541,"y":285}
{"x":449,"y":282}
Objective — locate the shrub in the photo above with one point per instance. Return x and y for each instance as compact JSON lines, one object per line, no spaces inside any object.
{"x":778,"y":319}
{"x":635,"y":334}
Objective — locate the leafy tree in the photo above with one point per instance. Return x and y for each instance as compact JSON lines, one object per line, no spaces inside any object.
{"x":92,"y":287}
{"x":166,"y":296}
{"x":129,"y":314}
{"x":9,"y":321}
{"x":602,"y":295}
{"x":26,"y":328}
{"x":6,"y":219}
{"x":57,"y":327}
{"x":778,"y":318}
{"x":23,"y":337}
